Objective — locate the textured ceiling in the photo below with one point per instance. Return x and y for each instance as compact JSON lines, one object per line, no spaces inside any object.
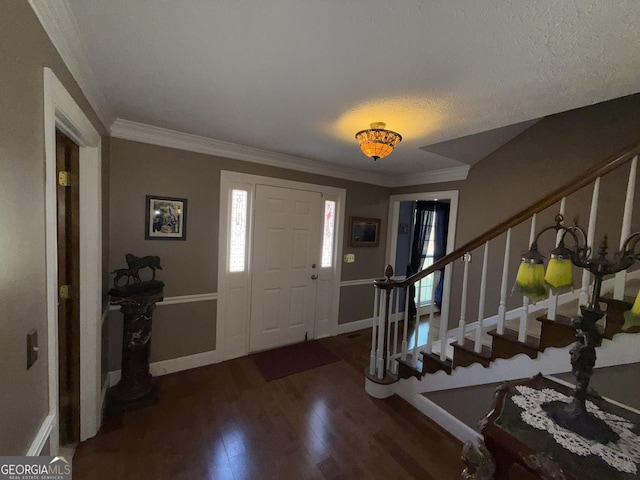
{"x":300,"y":77}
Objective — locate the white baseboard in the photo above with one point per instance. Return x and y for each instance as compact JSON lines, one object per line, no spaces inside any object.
{"x":354,"y":326}
{"x":173,"y":365}
{"x":41,"y":438}
{"x":364,"y":323}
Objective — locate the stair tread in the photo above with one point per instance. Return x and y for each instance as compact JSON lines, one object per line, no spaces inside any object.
{"x":409,"y":361}
{"x":407,"y":369}
{"x":434,"y":359}
{"x":469,"y":346}
{"x":566,"y":322}
{"x":608,"y":298}
{"x":560,"y":320}
{"x":510,"y":335}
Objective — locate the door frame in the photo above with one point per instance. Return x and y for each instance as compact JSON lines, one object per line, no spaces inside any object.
{"x":392,"y":231}
{"x":234,"y":289}
{"x":62,"y":112}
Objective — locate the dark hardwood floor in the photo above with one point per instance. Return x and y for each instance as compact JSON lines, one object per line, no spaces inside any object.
{"x":225,"y":421}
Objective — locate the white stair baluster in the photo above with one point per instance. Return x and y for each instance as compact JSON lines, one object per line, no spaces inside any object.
{"x":553,"y":298}
{"x":591,"y":233}
{"x":394,"y":348}
{"x":463,"y":303}
{"x":502,"y":309}
{"x":405,"y":325}
{"x":382,"y":321}
{"x":389,"y":330}
{"x":524,"y":316}
{"x":376,"y":304}
{"x":621,"y":277}
{"x":444,"y":313}
{"x":436,"y":280}
{"x":416,"y":329}
{"x":483,"y":289}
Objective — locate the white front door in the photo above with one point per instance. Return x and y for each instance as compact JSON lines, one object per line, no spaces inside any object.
{"x":286,"y":253}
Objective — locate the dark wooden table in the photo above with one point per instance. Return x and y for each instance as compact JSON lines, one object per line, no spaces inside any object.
{"x":524,"y":452}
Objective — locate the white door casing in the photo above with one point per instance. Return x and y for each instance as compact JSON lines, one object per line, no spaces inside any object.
{"x":286,"y":254}
{"x":392,"y":232}
{"x":62,"y":112}
{"x":235,"y":288}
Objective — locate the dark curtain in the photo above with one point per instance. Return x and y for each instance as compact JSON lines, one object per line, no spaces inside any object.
{"x":440,"y":248}
{"x":424,"y":214}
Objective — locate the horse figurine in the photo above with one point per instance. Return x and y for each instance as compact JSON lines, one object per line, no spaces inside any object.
{"x":121,"y":272}
{"x":136,"y":263}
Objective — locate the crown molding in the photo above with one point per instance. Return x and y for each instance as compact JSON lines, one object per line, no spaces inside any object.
{"x":62,"y":29}
{"x":140,"y":132}
{"x":164,"y":137}
{"x":436,"y":176}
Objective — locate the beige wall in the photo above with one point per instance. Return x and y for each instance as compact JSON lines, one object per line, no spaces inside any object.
{"x":539,"y":160}
{"x":24,"y":51}
{"x":532,"y":164}
{"x":191,"y":266}
{"x":356,"y":302}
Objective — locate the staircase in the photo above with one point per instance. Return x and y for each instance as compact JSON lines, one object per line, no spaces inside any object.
{"x":522,"y":338}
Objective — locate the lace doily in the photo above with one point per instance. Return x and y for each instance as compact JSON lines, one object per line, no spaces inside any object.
{"x":624,"y":455}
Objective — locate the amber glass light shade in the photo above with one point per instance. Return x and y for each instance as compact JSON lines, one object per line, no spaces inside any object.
{"x":377,"y":142}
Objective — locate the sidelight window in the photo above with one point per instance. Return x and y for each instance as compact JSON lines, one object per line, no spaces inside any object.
{"x":238,"y":231}
{"x":328,"y":233}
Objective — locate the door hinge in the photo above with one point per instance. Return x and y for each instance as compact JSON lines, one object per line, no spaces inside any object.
{"x":64,"y":178}
{"x":65,"y":292}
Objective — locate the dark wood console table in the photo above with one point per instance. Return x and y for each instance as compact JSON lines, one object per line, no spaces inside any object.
{"x":525,"y":452}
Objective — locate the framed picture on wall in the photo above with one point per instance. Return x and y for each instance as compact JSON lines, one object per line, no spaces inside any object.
{"x":364,"y":232}
{"x":165,"y":218}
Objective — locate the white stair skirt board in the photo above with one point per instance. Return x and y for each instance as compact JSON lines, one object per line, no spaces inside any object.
{"x":173,"y":365}
{"x":623,"y":349}
{"x":439,"y":415}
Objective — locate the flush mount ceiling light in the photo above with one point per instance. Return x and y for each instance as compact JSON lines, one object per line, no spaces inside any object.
{"x":377,"y":142}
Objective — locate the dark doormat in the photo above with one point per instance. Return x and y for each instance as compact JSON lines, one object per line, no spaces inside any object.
{"x":285,"y":361}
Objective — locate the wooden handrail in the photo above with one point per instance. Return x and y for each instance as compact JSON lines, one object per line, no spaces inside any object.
{"x":611,"y":163}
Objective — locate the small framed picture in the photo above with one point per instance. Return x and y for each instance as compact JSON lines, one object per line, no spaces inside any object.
{"x":364,"y":232}
{"x":166,"y":218}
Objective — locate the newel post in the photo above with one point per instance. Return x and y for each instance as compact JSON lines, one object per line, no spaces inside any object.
{"x":383,"y":325}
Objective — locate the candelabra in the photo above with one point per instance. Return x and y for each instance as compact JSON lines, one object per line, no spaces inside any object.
{"x":533,"y":281}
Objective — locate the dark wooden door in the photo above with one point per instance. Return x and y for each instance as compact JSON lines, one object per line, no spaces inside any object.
{"x":68,"y":201}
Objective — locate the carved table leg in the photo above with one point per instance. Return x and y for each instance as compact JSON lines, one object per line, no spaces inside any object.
{"x":479,"y":462}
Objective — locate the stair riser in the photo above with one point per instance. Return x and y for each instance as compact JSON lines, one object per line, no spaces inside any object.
{"x":501,"y":348}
